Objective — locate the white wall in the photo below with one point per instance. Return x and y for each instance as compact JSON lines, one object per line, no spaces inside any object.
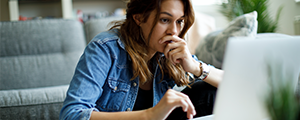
{"x":290,"y":10}
{"x":213,"y":10}
{"x":98,"y":6}
{"x":286,"y":21}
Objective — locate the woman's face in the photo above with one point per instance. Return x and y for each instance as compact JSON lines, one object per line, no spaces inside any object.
{"x":170,"y":23}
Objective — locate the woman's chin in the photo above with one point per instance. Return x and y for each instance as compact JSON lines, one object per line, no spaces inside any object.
{"x":161,"y":51}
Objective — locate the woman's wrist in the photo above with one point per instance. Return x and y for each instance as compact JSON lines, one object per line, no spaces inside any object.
{"x":205,"y":70}
{"x":198,"y":71}
{"x":158,"y":112}
{"x":149,"y":114}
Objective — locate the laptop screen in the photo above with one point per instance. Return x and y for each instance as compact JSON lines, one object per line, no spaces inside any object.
{"x":248,"y":64}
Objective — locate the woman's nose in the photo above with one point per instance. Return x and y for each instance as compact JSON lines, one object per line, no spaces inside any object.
{"x":172,"y":29}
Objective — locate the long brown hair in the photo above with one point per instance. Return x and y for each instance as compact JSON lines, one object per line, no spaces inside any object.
{"x":137,"y":47}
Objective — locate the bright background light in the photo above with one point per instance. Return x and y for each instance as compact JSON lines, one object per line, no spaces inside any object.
{"x":208,"y":2}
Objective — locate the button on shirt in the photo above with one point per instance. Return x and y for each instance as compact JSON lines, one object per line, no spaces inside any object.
{"x":101,"y":81}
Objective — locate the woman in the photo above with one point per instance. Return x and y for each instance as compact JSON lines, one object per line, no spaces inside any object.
{"x":131,"y":68}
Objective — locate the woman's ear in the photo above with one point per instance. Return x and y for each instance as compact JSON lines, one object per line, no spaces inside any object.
{"x":137,"y":19}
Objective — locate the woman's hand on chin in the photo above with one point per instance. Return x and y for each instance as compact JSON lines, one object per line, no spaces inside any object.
{"x":177,"y":52}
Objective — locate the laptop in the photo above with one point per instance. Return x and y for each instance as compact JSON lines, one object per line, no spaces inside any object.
{"x":247,"y":64}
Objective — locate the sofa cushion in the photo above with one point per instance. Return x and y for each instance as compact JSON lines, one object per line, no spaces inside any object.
{"x":96,"y":26}
{"x":212,"y":49}
{"x":39,"y":53}
{"x":35,"y":96}
{"x":39,"y":103}
{"x":32,"y":112}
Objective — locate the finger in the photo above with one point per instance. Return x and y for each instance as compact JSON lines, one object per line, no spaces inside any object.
{"x":191,"y":108}
{"x":172,"y":44}
{"x":171,"y":54}
{"x":167,"y":50}
{"x":169,"y":38}
{"x":190,"y":116}
{"x":170,"y":47}
{"x":176,"y":56}
{"x":184,"y":105}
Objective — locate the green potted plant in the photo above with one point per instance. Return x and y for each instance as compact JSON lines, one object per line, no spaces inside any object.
{"x":266,"y":23}
{"x":281,"y":101}
{"x":282,"y":104}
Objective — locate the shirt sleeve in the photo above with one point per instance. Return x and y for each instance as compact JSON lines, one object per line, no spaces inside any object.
{"x":195,"y":57}
{"x":86,"y":85}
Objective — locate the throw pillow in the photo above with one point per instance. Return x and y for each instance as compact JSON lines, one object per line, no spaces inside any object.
{"x":212,"y":49}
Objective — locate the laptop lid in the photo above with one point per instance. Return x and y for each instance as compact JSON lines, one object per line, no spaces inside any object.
{"x":242,"y":93}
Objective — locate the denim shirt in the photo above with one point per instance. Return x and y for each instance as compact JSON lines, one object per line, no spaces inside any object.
{"x":101,"y":81}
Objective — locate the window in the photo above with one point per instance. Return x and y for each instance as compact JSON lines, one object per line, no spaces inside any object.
{"x":208,"y":2}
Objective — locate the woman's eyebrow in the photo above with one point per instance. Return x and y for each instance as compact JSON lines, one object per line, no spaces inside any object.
{"x":168,"y":14}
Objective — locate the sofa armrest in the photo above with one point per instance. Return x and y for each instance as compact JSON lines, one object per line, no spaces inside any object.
{"x":9,"y":98}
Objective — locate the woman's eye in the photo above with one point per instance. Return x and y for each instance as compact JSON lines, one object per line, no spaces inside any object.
{"x":179,"y":21}
{"x":164,"y":20}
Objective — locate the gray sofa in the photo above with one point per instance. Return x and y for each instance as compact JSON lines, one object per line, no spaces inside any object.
{"x":37,"y":62}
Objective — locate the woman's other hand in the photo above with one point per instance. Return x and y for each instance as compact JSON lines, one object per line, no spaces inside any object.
{"x":171,"y":100}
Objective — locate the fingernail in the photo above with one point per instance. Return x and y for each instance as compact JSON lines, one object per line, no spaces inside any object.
{"x":191,"y":116}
